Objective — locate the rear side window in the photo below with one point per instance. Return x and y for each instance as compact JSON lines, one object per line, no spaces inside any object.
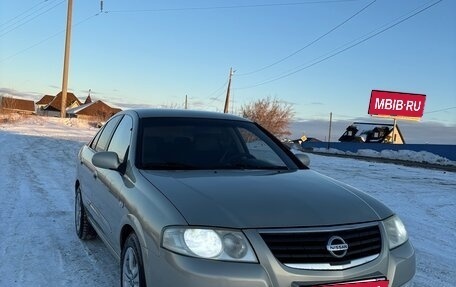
{"x":121,"y":139}
{"x":106,"y":134}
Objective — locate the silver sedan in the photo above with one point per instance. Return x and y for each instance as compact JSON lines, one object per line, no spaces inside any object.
{"x":186,"y":198}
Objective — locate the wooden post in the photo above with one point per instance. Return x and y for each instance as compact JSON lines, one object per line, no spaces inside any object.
{"x":66,"y":59}
{"x":330,"y":125}
{"x":227,"y":98}
{"x":394,"y":131}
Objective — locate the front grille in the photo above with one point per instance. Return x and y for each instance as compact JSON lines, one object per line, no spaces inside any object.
{"x":310,"y":247}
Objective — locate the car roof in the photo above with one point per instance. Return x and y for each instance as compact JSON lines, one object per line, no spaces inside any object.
{"x":176,"y":113}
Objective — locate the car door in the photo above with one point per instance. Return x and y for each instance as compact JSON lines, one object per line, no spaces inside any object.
{"x":115,"y":183}
{"x":90,"y":183}
{"x":85,"y":171}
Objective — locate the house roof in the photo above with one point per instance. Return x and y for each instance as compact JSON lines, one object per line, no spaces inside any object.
{"x":45,"y":100}
{"x":88,"y":100}
{"x":17,"y":104}
{"x":365,"y":128}
{"x":56,"y":103}
{"x":76,"y":110}
{"x":97,"y":108}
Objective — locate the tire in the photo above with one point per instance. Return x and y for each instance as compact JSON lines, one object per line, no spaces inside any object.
{"x":84,"y":229}
{"x":132,"y":268}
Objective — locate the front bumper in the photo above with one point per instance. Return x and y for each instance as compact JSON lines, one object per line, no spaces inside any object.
{"x":170,"y":269}
{"x":177,"y":270}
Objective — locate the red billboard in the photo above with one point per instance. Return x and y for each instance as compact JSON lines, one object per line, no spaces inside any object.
{"x":396,"y":104}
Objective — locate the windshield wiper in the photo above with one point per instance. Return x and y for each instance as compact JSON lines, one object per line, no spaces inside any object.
{"x":243,"y":165}
{"x":168,"y":166}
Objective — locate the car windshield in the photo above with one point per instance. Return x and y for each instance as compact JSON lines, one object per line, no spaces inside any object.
{"x":193,"y":143}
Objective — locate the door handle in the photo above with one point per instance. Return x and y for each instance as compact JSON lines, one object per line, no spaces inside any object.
{"x":95,"y":175}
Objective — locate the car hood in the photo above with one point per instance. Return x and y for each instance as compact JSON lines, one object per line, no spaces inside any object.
{"x":265,"y":199}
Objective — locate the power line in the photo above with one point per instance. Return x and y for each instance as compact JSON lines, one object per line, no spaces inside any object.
{"x":343,"y":116}
{"x":431,"y":112}
{"x":220,"y":93}
{"x":229,"y":7}
{"x":221,"y":87}
{"x":46,"y":39}
{"x":24,"y":12}
{"x":442,"y":110}
{"x":22,"y":17}
{"x":23,"y":23}
{"x":425,"y":113}
{"x":341,"y":49}
{"x":311,"y":43}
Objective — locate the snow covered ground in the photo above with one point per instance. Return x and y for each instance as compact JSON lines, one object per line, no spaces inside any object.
{"x":40,"y":248}
{"x":405,"y":155}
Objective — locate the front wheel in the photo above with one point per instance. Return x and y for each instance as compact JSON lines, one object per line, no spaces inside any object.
{"x":132,"y":268}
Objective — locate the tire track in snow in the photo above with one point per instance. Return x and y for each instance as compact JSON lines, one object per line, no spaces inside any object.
{"x":38,"y":239}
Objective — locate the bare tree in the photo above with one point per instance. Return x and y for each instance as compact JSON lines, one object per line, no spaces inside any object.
{"x":272,"y":114}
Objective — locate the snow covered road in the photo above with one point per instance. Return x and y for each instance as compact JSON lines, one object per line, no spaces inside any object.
{"x":38,"y":245}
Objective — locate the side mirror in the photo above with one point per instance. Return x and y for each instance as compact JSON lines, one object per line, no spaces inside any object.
{"x":106,"y":159}
{"x":303,"y":158}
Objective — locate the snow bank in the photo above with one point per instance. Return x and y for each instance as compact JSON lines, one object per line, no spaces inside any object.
{"x":63,"y":128}
{"x":407,"y":155}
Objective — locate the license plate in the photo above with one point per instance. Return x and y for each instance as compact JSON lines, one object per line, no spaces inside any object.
{"x":367,"y":283}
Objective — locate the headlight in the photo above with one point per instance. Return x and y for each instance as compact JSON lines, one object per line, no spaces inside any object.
{"x":217,"y":244}
{"x":203,"y":242}
{"x":395,"y":229}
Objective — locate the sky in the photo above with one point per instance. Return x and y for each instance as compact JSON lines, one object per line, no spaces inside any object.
{"x":321,"y":56}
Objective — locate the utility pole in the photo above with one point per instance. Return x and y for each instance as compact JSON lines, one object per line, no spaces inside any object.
{"x":66,"y":59}
{"x":330,"y":125}
{"x":393,"y":133}
{"x":186,"y":102}
{"x":227,"y":99}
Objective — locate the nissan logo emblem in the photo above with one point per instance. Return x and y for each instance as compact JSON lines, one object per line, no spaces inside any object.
{"x":337,"y":246}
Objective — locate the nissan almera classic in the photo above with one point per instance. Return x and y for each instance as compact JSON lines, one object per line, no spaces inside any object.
{"x":187,"y":198}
